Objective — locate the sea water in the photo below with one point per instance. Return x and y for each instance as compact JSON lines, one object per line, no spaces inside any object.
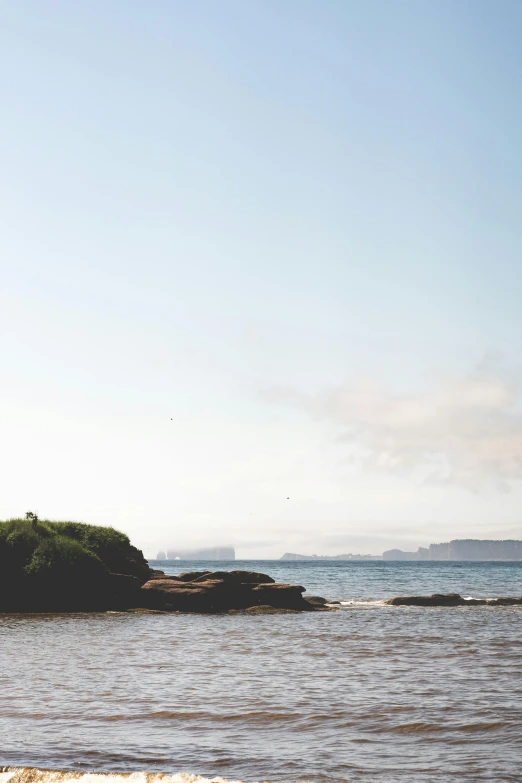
{"x":366,"y":693}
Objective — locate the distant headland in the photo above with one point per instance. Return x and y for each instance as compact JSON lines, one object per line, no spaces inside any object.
{"x":462,"y":549}
{"x":206,"y":553}
{"x":459,"y":549}
{"x":349,"y":556}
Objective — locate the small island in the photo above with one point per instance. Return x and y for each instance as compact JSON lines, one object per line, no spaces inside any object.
{"x":50,"y":566}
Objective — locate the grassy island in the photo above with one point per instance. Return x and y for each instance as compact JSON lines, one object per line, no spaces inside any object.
{"x":72,"y":567}
{"x":53,"y":566}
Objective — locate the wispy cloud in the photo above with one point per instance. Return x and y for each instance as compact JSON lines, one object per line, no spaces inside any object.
{"x":465,"y":431}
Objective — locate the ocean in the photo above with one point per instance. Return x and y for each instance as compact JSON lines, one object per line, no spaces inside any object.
{"x":365,"y":693}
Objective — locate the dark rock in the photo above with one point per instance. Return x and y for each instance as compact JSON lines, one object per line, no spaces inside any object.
{"x":72,"y":593}
{"x":451,"y":599}
{"x":129,"y":560}
{"x":316,"y":603}
{"x":281,"y":596}
{"x":316,"y":600}
{"x":169,"y":595}
{"x":213,"y":595}
{"x":189,"y":576}
{"x":437,"y":599}
{"x":252,"y":577}
{"x":508,"y":601}
{"x":504,"y":601}
{"x":221,"y":595}
{"x":236,"y":577}
{"x":121,"y":592}
{"x":265,"y":609}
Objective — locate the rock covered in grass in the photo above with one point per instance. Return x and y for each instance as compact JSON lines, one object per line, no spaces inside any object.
{"x":48,"y":566}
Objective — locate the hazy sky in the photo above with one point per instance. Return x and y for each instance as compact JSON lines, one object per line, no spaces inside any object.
{"x":253,"y":251}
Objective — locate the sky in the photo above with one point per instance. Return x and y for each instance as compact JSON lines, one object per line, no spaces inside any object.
{"x":261,"y":270}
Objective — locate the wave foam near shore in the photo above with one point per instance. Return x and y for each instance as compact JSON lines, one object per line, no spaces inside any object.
{"x":32,"y":775}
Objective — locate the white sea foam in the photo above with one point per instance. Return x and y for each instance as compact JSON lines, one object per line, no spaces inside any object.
{"x":32,"y":775}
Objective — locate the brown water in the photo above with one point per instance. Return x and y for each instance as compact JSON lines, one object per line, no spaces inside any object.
{"x":367,"y":693}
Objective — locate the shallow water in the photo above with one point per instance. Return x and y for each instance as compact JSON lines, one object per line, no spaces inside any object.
{"x":366,"y":693}
{"x":372,"y":580}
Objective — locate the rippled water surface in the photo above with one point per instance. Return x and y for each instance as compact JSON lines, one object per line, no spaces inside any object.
{"x":366,"y":693}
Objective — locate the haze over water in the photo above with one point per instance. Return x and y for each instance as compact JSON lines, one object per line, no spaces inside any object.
{"x":367,"y":693}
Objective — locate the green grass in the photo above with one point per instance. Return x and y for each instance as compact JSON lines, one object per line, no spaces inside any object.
{"x":42,"y":549}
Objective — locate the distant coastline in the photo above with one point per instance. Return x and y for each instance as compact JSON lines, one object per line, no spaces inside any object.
{"x":470,"y":549}
{"x":462,"y":549}
{"x":349,"y":556}
{"x":459,"y":549}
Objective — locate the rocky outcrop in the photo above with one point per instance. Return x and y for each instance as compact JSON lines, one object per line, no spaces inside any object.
{"x":222,"y":591}
{"x":189,"y":576}
{"x":121,"y":592}
{"x":72,"y":594}
{"x":235,"y":577}
{"x":48,"y":566}
{"x":126,"y":559}
{"x":316,"y":600}
{"x":169,"y":595}
{"x":280,"y":596}
{"x":451,"y":599}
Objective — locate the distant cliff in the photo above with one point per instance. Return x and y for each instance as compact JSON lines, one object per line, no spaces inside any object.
{"x":462,"y":549}
{"x":207,"y":553}
{"x":349,"y":556}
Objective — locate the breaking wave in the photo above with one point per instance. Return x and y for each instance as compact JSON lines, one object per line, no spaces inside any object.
{"x":32,"y":775}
